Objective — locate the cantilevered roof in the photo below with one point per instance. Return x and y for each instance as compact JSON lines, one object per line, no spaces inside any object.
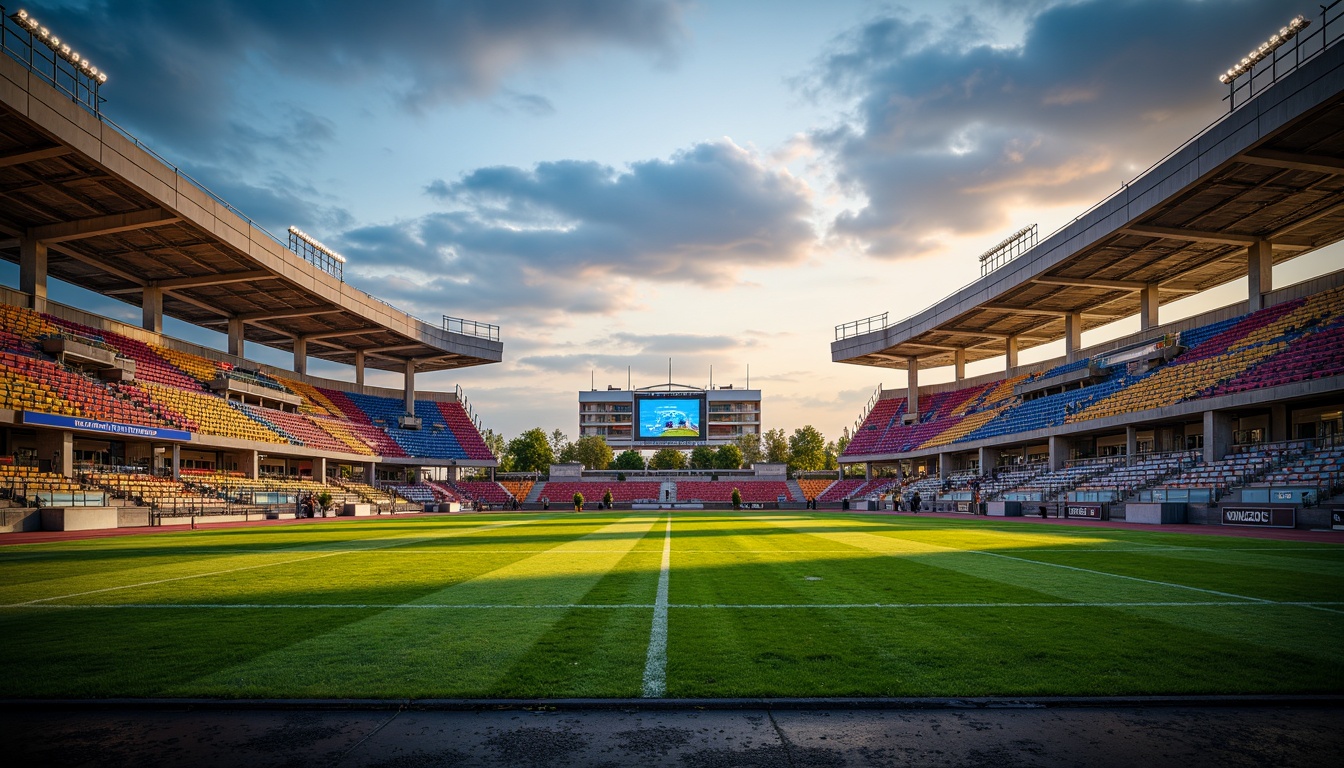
{"x":117,"y":219}
{"x":1272,"y":171}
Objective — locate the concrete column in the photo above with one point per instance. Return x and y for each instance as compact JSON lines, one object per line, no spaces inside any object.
{"x":251,"y":464}
{"x":151,"y":309}
{"x":1073,"y":334}
{"x":1278,"y":423}
{"x":177,"y":461}
{"x":1010,"y":353}
{"x":368,"y":473}
{"x":359,"y":367}
{"x":867,"y":470}
{"x":944,"y":465}
{"x":410,"y":387}
{"x":1059,"y":451}
{"x":1259,"y":273}
{"x":1148,"y":307}
{"x":320,"y":470}
{"x":900,"y":471}
{"x":59,"y":449}
{"x":33,"y":273}
{"x":959,"y":363}
{"x":300,"y":354}
{"x":236,"y":337}
{"x":1217,"y":435}
{"x":912,"y":385}
{"x":989,"y":458}
{"x":1131,"y":445}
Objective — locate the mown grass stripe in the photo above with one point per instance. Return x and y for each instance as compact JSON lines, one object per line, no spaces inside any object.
{"x":646,"y":606}
{"x":655,"y":666}
{"x":1121,"y":576}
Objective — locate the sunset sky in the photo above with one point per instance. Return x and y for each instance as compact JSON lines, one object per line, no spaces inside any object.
{"x":617,"y":182}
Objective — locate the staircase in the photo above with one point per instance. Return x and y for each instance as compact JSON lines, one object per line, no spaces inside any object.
{"x":796,"y":491}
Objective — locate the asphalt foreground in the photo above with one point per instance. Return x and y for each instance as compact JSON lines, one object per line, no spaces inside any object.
{"x":1269,"y":732}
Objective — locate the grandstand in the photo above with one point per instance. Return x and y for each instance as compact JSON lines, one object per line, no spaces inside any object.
{"x":1194,"y":411}
{"x":95,"y":411}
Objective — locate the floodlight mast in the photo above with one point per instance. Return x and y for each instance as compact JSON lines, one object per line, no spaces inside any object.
{"x":1265,"y":49}
{"x":81,"y":64}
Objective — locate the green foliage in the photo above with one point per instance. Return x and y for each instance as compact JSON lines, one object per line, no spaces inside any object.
{"x":495,"y":442}
{"x":668,"y":458}
{"x":606,"y":498}
{"x":807,"y":449}
{"x":629,"y":460}
{"x":737,"y":499}
{"x":702,"y":457}
{"x":776,"y":446}
{"x":324,"y":500}
{"x":728,"y":457}
{"x":578,"y":501}
{"x":749,"y":446}
{"x":531,"y":452}
{"x":559,"y":442}
{"x":592,"y":452}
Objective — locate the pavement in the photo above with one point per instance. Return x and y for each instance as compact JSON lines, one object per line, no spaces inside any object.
{"x":1185,"y":734}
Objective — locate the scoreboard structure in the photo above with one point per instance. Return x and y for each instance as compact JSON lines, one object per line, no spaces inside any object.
{"x":669,"y":416}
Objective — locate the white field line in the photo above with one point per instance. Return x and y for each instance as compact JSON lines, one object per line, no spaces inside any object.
{"x":655,"y":664}
{"x":387,"y":542}
{"x":645,"y":606}
{"x":1121,"y":576}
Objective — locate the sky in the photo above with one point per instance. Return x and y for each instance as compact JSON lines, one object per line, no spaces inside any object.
{"x":619,"y":182}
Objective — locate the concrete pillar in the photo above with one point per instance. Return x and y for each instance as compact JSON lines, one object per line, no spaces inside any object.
{"x":1010,"y":354}
{"x":359,"y":367}
{"x":1148,"y":307}
{"x":300,"y":354}
{"x":1278,"y":423}
{"x":59,"y":449}
{"x":945,"y":465}
{"x":320,"y":470}
{"x":410,"y":387}
{"x":867,"y":470}
{"x":1217,"y":435}
{"x":959,"y":363}
{"x":1259,"y":273}
{"x":236,"y":337}
{"x":1073,"y":334}
{"x":912,"y":385}
{"x":1131,"y":445}
{"x":33,"y":273}
{"x":900,"y":471}
{"x":1059,"y":451}
{"x":251,"y":464}
{"x":368,"y":473}
{"x":151,"y":309}
{"x":989,"y":459}
{"x":177,"y":461}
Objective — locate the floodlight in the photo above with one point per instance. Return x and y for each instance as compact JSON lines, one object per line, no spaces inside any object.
{"x":304,"y":236}
{"x":28,"y":22}
{"x":1265,"y":49}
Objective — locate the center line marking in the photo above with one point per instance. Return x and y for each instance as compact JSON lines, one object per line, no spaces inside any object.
{"x":655,"y":665}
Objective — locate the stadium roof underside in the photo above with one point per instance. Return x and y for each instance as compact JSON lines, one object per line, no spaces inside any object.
{"x":117,"y":220}
{"x":1270,"y":172}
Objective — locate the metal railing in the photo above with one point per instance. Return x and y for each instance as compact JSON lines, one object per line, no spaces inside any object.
{"x":19,"y":44}
{"x":860,"y":327}
{"x":1283,"y":60}
{"x":471,"y":328}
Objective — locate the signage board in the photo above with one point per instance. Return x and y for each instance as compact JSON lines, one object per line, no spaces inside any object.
{"x":1260,"y":517}
{"x":1337,"y":519}
{"x":105,"y":427}
{"x":1082,"y":511}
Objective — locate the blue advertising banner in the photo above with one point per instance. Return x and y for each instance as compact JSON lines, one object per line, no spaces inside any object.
{"x":107,"y":427}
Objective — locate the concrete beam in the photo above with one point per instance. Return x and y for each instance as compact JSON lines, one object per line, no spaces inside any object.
{"x":94,"y":261}
{"x":284,"y":314}
{"x":103,"y":225}
{"x":1092,"y":282}
{"x":1293,"y":161}
{"x":31,"y":156}
{"x":338,"y":334}
{"x":1190,"y":235}
{"x":224,"y":278}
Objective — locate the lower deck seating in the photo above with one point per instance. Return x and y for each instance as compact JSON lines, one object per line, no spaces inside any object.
{"x":752,"y":491}
{"x":621,"y":492}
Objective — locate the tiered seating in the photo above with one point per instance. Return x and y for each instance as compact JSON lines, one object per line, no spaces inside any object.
{"x":297,"y":427}
{"x":1143,"y":473}
{"x":868,"y":436}
{"x":1237,"y":469}
{"x":314,"y":402}
{"x":752,"y":491}
{"x":518,"y":488}
{"x":145,"y":489}
{"x":149,"y":364}
{"x":842,"y":489}
{"x":420,"y":493}
{"x":445,"y":491}
{"x":1322,"y":468}
{"x":465,"y":432}
{"x":623,"y":493}
{"x":343,"y":431}
{"x":813,"y":488}
{"x":483,"y":490}
{"x":26,"y":482}
{"x":361,"y":425}
{"x":32,"y":384}
{"x":212,"y":415}
{"x":199,"y":368}
{"x":1311,"y":356}
{"x":1069,"y":476}
{"x":1008,"y":479}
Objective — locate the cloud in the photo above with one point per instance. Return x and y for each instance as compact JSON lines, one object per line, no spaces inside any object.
{"x":581,"y":237}
{"x":950,"y":132}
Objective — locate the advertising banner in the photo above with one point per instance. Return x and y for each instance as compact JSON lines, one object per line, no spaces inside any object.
{"x":1082,"y":511}
{"x":105,"y":427}
{"x":1260,"y":517}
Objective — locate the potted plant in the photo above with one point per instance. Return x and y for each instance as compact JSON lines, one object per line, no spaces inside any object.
{"x":606,"y":498}
{"x":324,"y":502}
{"x":578,"y":502}
{"x":737,"y":499}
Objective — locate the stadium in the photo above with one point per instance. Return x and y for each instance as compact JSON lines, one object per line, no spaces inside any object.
{"x":153,"y":546}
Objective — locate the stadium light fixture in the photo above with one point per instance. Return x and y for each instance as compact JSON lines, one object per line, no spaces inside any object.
{"x":81,"y":64}
{"x":305,"y":237}
{"x":1265,"y":49}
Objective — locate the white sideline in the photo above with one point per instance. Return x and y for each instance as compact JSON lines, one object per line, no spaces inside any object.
{"x":655,"y":664}
{"x":1121,"y":576}
{"x":1318,"y":604}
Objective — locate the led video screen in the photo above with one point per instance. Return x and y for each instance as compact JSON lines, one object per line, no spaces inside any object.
{"x":681,"y":417}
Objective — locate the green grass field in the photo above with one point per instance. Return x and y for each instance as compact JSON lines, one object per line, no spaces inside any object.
{"x":567,"y":605}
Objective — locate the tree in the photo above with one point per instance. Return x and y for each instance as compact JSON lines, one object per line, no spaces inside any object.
{"x":776,"y":446}
{"x":668,"y":458}
{"x":591,"y":451}
{"x":578,"y":502}
{"x":750,"y":447}
{"x":807,"y":449}
{"x":495,"y":442}
{"x":728,"y":457}
{"x":737,"y":499}
{"x":559,"y":441}
{"x":832,"y":456}
{"x":702,"y":457}
{"x":607,"y":499}
{"x":629,"y":460}
{"x":531,"y":452}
